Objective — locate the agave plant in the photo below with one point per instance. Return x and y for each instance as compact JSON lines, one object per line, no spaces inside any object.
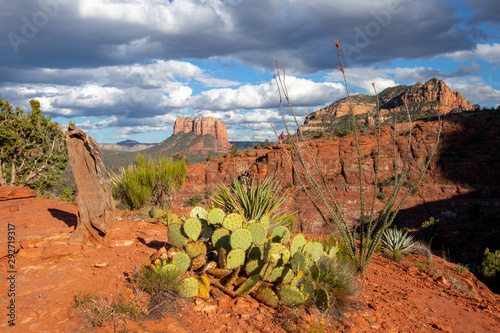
{"x":254,"y":200}
{"x":396,"y":243}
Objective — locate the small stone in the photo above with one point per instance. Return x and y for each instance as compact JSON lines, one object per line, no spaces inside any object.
{"x":121,"y":242}
{"x":101,"y":265}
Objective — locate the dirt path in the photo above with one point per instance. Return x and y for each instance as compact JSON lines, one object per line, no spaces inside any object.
{"x":49,"y":274}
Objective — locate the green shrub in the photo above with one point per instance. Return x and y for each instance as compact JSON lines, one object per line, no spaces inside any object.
{"x":67,"y":194}
{"x":149,"y":181}
{"x":194,"y":200}
{"x":490,"y":265}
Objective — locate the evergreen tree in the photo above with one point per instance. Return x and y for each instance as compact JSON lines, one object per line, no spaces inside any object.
{"x":32,"y":148}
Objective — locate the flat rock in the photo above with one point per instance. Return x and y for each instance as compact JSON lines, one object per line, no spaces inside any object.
{"x":16,"y":192}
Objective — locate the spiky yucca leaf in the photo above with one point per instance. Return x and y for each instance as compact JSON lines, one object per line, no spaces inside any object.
{"x":396,"y":243}
{"x":253,"y":200}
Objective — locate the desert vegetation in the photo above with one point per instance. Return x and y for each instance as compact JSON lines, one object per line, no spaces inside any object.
{"x":32,"y":148}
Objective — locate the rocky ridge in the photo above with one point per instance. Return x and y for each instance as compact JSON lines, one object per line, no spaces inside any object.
{"x":434,"y":95}
{"x":202,"y":126}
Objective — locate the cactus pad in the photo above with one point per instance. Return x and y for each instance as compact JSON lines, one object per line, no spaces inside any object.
{"x":195,"y":249}
{"x":322,"y":300}
{"x":249,"y":285}
{"x":219,"y":272}
{"x":233,"y":221}
{"x":267,"y":296}
{"x":199,"y":213}
{"x":314,"y":250}
{"x":241,"y":239}
{"x":253,"y":267}
{"x":171,"y":270}
{"x":264,"y":220}
{"x":206,"y":234}
{"x":204,"y":287}
{"x":314,"y":271}
{"x":198,"y":262}
{"x":216,"y":216}
{"x":220,"y":238}
{"x":291,"y":296}
{"x":308,"y":287}
{"x":235,"y":258}
{"x":175,"y":236}
{"x":281,"y":235}
{"x":256,"y":253}
{"x":182,"y":261}
{"x":189,"y":287}
{"x":332,"y":253}
{"x":298,"y":262}
{"x":259,"y":233}
{"x":192,"y":228}
{"x":297,"y":244}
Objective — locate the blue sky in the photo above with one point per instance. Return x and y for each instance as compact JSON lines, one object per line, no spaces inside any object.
{"x":125,"y":69}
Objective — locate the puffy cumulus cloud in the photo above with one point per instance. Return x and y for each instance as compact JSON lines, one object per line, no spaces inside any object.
{"x":487,"y":52}
{"x":303,"y":92}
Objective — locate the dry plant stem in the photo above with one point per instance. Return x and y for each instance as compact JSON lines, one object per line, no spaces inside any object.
{"x":371,"y":227}
{"x":338,"y":217}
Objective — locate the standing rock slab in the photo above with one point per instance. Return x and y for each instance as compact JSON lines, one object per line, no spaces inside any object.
{"x":96,"y":211}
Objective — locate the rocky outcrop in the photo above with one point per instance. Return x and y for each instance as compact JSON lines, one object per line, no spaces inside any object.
{"x":16,"y":192}
{"x":451,"y":175}
{"x":282,"y":137}
{"x":433,"y":95}
{"x":202,"y":126}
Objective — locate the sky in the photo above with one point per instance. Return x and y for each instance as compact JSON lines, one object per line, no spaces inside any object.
{"x":125,"y":69}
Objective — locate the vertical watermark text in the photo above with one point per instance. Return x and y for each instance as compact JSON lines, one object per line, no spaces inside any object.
{"x":11,"y":274}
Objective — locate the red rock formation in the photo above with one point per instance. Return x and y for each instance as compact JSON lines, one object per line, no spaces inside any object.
{"x":16,"y":192}
{"x":282,"y":137}
{"x":337,"y":160}
{"x":202,"y":126}
{"x":434,"y":94}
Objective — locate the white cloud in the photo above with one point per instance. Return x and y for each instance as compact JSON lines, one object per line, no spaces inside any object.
{"x":488,"y":52}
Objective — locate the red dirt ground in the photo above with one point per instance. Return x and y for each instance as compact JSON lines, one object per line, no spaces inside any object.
{"x":50,"y":274}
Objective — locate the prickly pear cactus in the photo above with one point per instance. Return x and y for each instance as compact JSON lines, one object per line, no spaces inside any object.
{"x":216,"y":216}
{"x":291,"y":296}
{"x":189,"y":287}
{"x":235,"y":258}
{"x":233,"y":222}
{"x":241,"y":239}
{"x":175,"y":236}
{"x":192,"y":228}
{"x":199,"y":213}
{"x":259,"y":233}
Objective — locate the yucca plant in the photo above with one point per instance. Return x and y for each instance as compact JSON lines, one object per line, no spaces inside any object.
{"x":254,"y":199}
{"x":368,"y":229}
{"x":396,"y":243}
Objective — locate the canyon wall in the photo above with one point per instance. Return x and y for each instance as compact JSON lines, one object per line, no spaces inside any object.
{"x":202,"y":126}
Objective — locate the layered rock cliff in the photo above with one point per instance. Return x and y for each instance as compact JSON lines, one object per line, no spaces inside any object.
{"x":202,"y":126}
{"x":434,"y":95}
{"x":463,"y":172}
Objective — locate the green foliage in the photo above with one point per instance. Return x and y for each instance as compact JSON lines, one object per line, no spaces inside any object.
{"x":490,"y":266}
{"x":253,"y":200}
{"x":67,"y":194}
{"x":196,"y":199}
{"x":32,"y":148}
{"x":149,"y":181}
{"x":233,"y":150}
{"x":266,"y":144}
{"x":396,"y":243}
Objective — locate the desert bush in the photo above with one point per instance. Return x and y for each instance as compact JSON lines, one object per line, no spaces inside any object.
{"x":372,"y":225}
{"x":253,"y":200}
{"x":196,"y":199}
{"x":396,"y":243}
{"x":422,"y":249}
{"x":153,"y":181}
{"x":490,"y":266}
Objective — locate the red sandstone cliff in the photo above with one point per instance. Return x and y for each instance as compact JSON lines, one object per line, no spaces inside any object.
{"x":202,"y":126}
{"x":433,"y":95}
{"x":459,"y":163}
